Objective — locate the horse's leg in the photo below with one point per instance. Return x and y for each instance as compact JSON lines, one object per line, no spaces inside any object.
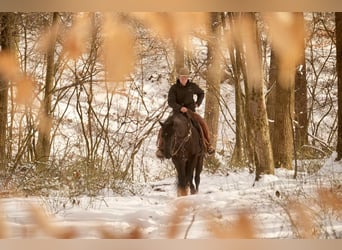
{"x":181,"y":175}
{"x":190,"y":174}
{"x":199,"y":167}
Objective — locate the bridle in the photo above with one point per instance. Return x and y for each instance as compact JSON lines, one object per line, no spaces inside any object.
{"x":175,"y":150}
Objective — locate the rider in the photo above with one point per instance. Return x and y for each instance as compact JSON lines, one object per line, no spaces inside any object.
{"x":180,"y":99}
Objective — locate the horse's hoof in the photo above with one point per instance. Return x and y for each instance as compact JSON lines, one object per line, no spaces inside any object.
{"x":182,"y":192}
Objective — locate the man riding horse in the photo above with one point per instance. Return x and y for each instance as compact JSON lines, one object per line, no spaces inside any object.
{"x":181,"y":99}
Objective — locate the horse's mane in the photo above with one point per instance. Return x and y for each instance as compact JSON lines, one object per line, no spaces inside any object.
{"x":178,"y":121}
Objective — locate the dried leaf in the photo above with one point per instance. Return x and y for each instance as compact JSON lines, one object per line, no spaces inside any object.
{"x":118,"y":50}
{"x":287,"y":36}
{"x":9,"y":68}
{"x":47,"y":38}
{"x":173,"y":25}
{"x":45,"y":124}
{"x":76,"y":38}
{"x":25,"y":91}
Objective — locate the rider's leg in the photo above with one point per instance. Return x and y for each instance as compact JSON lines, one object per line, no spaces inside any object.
{"x":205,"y":129}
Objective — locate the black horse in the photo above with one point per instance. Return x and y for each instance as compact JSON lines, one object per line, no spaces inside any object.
{"x":182,"y":142}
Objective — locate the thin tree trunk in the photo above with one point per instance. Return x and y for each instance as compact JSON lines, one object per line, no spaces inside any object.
{"x":271,"y":96}
{"x":239,"y":157}
{"x":338,"y":20}
{"x":45,"y":123}
{"x":212,"y":107}
{"x":7,"y":40}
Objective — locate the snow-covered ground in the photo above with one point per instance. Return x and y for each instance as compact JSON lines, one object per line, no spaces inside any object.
{"x":230,"y":205}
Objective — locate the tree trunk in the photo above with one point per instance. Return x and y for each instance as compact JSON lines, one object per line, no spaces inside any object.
{"x":6,"y":37}
{"x":338,"y":21}
{"x":280,"y":108}
{"x":271,"y":96}
{"x":239,"y":157}
{"x":257,"y":107}
{"x":45,"y":122}
{"x":212,"y":107}
{"x":301,"y":99}
{"x":287,"y":42}
{"x":283,"y":134}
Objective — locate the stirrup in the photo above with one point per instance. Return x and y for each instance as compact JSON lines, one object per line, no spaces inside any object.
{"x":210,"y":151}
{"x":160,"y":154}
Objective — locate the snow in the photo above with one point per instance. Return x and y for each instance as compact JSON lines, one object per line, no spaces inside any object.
{"x":222,"y":198}
{"x":220,"y":208}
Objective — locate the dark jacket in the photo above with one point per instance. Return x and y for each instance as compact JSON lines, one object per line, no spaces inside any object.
{"x":183,"y":96}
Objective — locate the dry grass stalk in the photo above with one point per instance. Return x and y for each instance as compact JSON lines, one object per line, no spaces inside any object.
{"x":302,"y":220}
{"x":241,"y":228}
{"x":3,"y":225}
{"x":134,"y":233}
{"x":44,"y":223}
{"x":331,"y":199}
{"x":176,"y":218}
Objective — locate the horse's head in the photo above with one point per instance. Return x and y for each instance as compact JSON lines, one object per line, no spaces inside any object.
{"x":174,"y":126}
{"x":167,"y":134}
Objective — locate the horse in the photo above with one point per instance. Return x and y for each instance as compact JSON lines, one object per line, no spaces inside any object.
{"x":182,"y":142}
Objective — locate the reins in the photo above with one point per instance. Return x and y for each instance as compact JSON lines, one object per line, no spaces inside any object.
{"x":185,"y":140}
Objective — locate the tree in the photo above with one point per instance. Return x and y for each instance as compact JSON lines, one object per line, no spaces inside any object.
{"x":338,"y":21}
{"x":257,"y":115}
{"x":301,"y":100}
{"x":288,"y":48}
{"x":283,"y":134}
{"x":213,"y":80}
{"x":280,"y":106}
{"x":239,"y":157}
{"x":271,"y":97}
{"x":45,"y":119}
{"x":7,"y":47}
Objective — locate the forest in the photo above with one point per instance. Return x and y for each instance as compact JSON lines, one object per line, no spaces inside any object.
{"x":82,"y":94}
